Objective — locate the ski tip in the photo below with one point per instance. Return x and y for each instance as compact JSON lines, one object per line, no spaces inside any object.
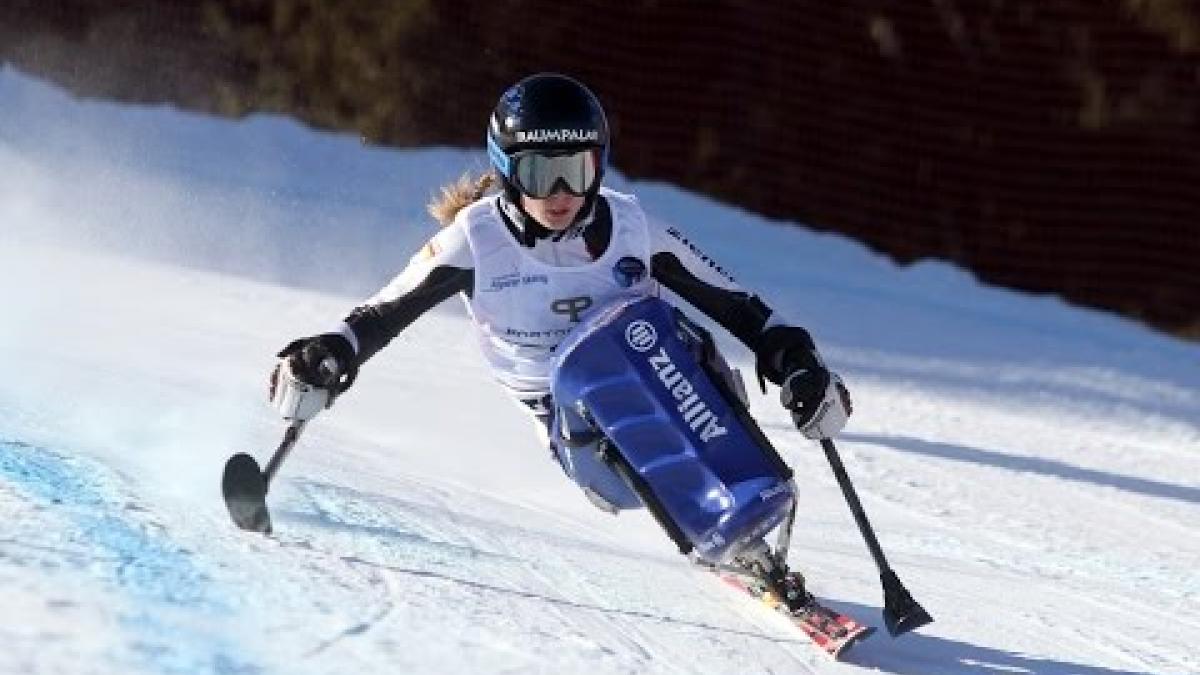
{"x":843,"y":647}
{"x":239,"y":465}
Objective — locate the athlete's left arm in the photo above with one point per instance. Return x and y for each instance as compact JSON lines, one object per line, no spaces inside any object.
{"x":693,"y":275}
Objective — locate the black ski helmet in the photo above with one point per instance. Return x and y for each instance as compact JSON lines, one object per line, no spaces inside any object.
{"x":546,"y":111}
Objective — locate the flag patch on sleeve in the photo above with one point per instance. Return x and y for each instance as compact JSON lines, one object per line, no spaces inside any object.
{"x":429,"y":250}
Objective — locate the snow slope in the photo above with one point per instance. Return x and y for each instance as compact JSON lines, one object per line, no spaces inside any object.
{"x":1033,"y":469}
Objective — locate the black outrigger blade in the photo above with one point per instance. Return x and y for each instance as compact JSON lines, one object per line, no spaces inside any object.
{"x":245,"y":485}
{"x":900,"y":612}
{"x":245,"y":489}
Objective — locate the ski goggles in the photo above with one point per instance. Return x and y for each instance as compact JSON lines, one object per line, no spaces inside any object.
{"x":539,"y":174}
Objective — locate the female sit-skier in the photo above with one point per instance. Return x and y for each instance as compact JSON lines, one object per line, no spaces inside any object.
{"x":533,"y":258}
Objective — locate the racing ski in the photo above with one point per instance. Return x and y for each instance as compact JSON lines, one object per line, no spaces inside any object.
{"x":831,"y":631}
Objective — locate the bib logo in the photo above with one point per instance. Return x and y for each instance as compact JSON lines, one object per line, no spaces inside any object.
{"x":558,"y":136}
{"x":513,"y":280}
{"x":628,"y":271}
{"x":571,"y":306}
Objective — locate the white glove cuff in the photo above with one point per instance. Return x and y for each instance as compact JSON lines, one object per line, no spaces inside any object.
{"x":833,"y":413}
{"x":295,"y":400}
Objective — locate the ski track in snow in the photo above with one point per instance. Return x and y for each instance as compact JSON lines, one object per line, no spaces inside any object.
{"x":558,"y":589}
{"x":1031,"y":468}
{"x":100,"y":533}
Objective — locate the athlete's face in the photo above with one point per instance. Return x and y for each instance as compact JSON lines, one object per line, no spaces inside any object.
{"x":555,"y":212}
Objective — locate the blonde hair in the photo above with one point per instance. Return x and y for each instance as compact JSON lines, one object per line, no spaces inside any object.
{"x":454,"y":196}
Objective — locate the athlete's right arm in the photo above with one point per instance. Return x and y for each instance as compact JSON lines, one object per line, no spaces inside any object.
{"x":313,"y":371}
{"x":443,"y":267}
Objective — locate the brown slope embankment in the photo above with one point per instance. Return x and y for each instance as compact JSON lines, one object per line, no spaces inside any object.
{"x":1047,"y":146}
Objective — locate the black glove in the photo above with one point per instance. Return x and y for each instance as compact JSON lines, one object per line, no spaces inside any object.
{"x":325,"y":361}
{"x":803,"y":391}
{"x":781,"y":350}
{"x":818,"y":400}
{"x":816,"y":397}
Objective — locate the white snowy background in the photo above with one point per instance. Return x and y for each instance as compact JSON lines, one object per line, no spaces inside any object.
{"x":1032,"y":469}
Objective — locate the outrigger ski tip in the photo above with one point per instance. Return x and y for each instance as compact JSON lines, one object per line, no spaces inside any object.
{"x":245,"y":485}
{"x":901,"y":613}
{"x":245,"y":490}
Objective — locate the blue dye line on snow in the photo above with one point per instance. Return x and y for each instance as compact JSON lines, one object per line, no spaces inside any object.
{"x":131,"y":554}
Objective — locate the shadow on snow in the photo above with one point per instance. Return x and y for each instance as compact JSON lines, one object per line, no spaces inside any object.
{"x":920,"y":654}
{"x":1035,"y":465}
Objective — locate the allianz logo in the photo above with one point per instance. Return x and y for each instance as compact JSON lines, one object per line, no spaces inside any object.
{"x":695,"y":411}
{"x":642,"y":337}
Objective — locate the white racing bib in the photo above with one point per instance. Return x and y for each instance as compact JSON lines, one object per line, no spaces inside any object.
{"x":523,"y":307}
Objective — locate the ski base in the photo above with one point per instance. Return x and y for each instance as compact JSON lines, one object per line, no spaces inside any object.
{"x":832,"y":632}
{"x":245,"y":490}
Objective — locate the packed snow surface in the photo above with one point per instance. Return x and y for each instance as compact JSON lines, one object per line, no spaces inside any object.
{"x":1032,"y":469}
